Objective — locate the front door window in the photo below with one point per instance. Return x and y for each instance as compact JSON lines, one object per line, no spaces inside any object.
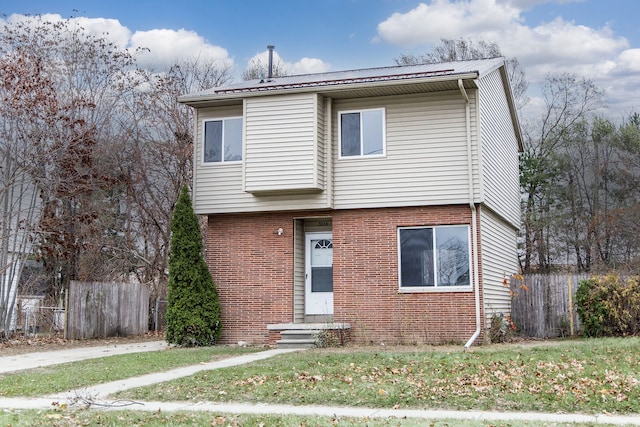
{"x":322,"y":265}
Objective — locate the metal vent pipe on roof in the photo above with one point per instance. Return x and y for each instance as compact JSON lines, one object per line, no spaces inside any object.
{"x":270,"y":47}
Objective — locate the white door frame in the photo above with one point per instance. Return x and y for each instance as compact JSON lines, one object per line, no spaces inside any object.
{"x":316,"y":303}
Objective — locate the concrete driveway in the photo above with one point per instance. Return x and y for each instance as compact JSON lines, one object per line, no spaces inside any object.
{"x":19,"y":362}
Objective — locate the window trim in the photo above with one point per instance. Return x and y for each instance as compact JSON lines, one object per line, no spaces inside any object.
{"x":223,"y":120}
{"x":436,"y":287}
{"x":384,"y":133}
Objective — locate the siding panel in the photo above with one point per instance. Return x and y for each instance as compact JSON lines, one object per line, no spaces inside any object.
{"x":281,"y":137}
{"x":426,"y":154}
{"x":298,"y":271}
{"x":499,"y":258}
{"x":499,"y":150}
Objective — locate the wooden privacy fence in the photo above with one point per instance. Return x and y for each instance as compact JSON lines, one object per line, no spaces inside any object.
{"x":97,"y":309}
{"x":543,"y":305}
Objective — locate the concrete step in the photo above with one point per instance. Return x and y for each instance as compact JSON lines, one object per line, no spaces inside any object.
{"x":297,"y":338}
{"x":295,"y":344}
{"x":299,"y":334}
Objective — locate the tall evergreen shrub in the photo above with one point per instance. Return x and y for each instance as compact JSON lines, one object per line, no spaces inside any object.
{"x":193,"y":312}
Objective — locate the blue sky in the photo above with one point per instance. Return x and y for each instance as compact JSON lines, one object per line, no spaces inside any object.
{"x":598,"y":39}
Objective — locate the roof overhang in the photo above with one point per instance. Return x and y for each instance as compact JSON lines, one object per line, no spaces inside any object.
{"x":355,"y":88}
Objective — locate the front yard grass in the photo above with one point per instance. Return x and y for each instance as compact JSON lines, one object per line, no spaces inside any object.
{"x":60,"y":378}
{"x":585,"y":376}
{"x":30,"y":418}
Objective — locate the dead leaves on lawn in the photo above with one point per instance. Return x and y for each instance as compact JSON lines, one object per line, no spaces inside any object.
{"x":404,"y":383}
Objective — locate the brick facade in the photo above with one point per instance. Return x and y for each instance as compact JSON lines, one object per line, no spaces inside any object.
{"x":253,"y":269}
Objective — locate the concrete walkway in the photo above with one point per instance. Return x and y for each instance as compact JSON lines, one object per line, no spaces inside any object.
{"x":98,"y":396}
{"x":101,"y":391}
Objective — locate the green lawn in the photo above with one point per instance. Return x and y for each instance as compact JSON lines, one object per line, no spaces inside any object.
{"x":586,"y":376}
{"x":60,"y":378}
{"x":179,"y":419}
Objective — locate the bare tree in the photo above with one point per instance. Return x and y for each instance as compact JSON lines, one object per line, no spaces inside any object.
{"x":449,"y":50}
{"x":596,"y":198}
{"x":64,"y":94}
{"x":568,"y":101}
{"x":157,"y":159}
{"x":95,"y":152}
{"x":26,"y":95}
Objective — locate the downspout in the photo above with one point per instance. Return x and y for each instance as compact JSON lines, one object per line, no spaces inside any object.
{"x":474,"y":231}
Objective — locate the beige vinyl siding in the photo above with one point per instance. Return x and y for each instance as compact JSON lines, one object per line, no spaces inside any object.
{"x":426,"y":154}
{"x":499,"y":258}
{"x":298,"y":271}
{"x":282,"y":150}
{"x":327,"y":162}
{"x":218,"y":187}
{"x":499,"y":150}
{"x":320,"y":144}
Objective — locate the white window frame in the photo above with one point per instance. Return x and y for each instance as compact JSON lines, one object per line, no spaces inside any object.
{"x":435,"y":287}
{"x":383,"y":130}
{"x":204,"y":136}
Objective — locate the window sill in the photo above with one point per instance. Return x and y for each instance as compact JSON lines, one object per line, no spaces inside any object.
{"x":217,"y":164}
{"x":434,"y":289}
{"x":361,"y":157}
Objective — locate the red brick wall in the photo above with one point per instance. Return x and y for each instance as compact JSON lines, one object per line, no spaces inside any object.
{"x":365,"y":275}
{"x":253,"y":270}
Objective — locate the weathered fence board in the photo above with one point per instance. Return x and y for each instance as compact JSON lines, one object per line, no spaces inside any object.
{"x":97,"y":309}
{"x":543,"y":305}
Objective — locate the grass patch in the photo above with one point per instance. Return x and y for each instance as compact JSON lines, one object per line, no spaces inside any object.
{"x":50,"y":418}
{"x":588,"y":376}
{"x":59,"y":378}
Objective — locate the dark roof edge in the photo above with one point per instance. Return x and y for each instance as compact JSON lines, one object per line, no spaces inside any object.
{"x":328,"y":85}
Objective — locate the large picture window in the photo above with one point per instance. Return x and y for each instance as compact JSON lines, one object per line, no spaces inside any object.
{"x":223,"y":140}
{"x":432,"y":257}
{"x":362,"y":133}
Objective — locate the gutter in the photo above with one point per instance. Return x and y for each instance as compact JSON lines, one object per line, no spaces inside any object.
{"x":474,"y":231}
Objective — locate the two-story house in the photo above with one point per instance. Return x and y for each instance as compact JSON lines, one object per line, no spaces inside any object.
{"x":381,"y":200}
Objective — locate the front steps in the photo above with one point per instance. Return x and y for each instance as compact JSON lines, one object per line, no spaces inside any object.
{"x":305,"y":335}
{"x":296,"y":338}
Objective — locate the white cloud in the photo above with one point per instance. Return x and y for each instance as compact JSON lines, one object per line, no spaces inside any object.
{"x":558,"y":45}
{"x":628,"y":62}
{"x":310,"y":65}
{"x":166,"y":46}
{"x":445,"y":19}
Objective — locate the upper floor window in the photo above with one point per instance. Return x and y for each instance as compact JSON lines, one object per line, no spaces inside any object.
{"x":432,"y":257}
{"x":362,"y":132}
{"x":223,"y":140}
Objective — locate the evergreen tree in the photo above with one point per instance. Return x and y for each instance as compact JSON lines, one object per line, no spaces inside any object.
{"x":193,"y":312}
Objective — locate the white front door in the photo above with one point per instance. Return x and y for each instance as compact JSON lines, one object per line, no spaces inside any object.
{"x":318,"y":273}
